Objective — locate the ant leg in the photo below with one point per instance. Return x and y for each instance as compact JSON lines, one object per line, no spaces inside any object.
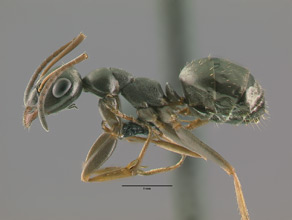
{"x":100,"y":152}
{"x":143,"y":150}
{"x":118,"y":113}
{"x":112,"y":173}
{"x":166,"y":145}
{"x":162,"y":169}
{"x":191,"y":124}
{"x":174,"y":132}
{"x":192,"y":142}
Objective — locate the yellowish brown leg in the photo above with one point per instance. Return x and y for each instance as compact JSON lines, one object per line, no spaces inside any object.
{"x":191,"y":124}
{"x":134,"y":168}
{"x":240,"y":198}
{"x":204,"y":150}
{"x":239,"y":194}
{"x":143,"y":151}
{"x":118,"y":113}
{"x":162,"y":169}
{"x":111,"y":173}
{"x":185,"y":138}
{"x":167,"y":146}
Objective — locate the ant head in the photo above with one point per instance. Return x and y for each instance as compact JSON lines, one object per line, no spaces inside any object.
{"x":55,"y":90}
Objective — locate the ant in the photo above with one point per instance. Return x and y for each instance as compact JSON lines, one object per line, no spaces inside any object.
{"x":215,"y":90}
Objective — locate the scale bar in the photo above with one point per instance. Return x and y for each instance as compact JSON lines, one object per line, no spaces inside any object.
{"x":157,"y":185}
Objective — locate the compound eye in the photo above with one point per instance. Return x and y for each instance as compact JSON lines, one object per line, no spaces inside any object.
{"x":61,"y":87}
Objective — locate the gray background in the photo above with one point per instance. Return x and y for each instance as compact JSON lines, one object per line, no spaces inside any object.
{"x":40,"y":172}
